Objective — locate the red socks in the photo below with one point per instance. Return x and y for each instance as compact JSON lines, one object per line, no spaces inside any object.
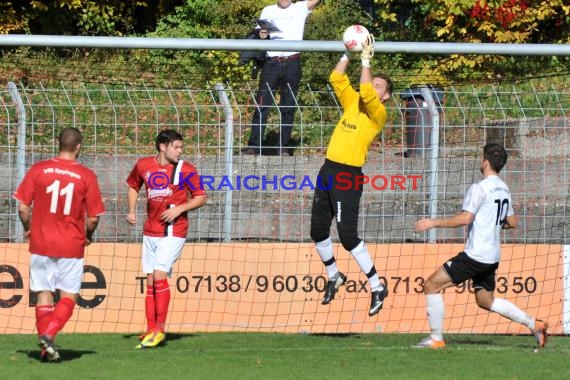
{"x":43,"y":316}
{"x":59,"y":317}
{"x":162,"y":299}
{"x":150,"y":308}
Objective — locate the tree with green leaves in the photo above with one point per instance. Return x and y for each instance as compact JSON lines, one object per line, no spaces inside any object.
{"x":492,"y":21}
{"x":83,"y":17}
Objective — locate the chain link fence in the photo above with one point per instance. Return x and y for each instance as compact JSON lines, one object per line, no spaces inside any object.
{"x":120,"y":123}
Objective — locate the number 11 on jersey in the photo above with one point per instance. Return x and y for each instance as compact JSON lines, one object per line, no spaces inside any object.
{"x":67,"y":191}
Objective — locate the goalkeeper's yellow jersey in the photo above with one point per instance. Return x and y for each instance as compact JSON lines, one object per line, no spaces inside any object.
{"x":362,"y":120}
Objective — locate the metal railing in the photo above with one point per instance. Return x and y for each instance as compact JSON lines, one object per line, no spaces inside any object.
{"x":120,"y":123}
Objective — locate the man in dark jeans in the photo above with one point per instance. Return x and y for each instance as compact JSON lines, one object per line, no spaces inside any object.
{"x":281,"y":72}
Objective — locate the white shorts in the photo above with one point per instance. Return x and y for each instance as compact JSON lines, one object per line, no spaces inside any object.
{"x":160,"y":253}
{"x":51,"y":273}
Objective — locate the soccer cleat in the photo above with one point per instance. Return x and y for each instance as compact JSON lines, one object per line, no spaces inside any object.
{"x":332,"y":288}
{"x":430,"y":343}
{"x":43,"y":355}
{"x":48,"y":345}
{"x":377,"y":301}
{"x":152,"y":340}
{"x":142,"y":336}
{"x":539,"y":332}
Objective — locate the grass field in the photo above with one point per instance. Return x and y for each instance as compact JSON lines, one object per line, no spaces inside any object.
{"x":281,"y":356}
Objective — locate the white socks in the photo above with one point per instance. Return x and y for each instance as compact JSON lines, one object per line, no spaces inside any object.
{"x":360,"y":254}
{"x":325,"y":250}
{"x":436,"y":310}
{"x":362,"y":257}
{"x":435,"y":314}
{"x":509,"y":310}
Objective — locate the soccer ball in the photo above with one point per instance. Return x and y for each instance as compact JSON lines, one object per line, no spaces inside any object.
{"x":354,"y":36}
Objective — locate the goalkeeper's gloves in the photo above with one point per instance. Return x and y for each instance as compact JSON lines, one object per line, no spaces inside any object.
{"x":367,"y":51}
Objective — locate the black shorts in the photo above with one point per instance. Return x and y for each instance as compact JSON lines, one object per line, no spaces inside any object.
{"x":462,"y":268}
{"x":339,"y":200}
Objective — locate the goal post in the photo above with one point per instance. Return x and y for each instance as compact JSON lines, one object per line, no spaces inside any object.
{"x":249,"y":264}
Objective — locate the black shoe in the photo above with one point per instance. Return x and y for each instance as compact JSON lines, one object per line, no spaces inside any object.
{"x":270,"y":152}
{"x":332,"y":287}
{"x":377,"y":301}
{"x":285,"y":152}
{"x":251,"y":151}
{"x":43,"y":355}
{"x":49,"y":346}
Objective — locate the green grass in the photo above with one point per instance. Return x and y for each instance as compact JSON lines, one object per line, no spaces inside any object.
{"x":286,"y":356}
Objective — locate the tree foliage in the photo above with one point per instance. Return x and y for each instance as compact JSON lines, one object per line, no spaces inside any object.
{"x":83,"y":17}
{"x":234,"y":19}
{"x":491,"y":21}
{"x":494,"y":21}
{"x":10,"y":20}
{"x":499,"y":21}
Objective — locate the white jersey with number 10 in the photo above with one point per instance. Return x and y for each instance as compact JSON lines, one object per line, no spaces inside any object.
{"x":490,"y":201}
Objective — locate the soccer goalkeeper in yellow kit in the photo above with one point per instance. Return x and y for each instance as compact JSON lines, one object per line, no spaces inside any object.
{"x":362,"y":120}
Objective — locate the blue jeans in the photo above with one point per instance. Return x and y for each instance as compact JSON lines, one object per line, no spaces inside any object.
{"x":282,"y":76}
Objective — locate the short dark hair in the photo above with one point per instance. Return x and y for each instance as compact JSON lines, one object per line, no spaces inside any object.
{"x":167,"y":136}
{"x":69,"y":138}
{"x":496,"y":155}
{"x":389,"y":83}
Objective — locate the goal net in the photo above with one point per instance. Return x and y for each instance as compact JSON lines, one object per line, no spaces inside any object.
{"x":248,"y":263}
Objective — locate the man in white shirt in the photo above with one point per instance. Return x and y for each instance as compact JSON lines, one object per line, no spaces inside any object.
{"x":487,"y":208}
{"x":281,"y":72}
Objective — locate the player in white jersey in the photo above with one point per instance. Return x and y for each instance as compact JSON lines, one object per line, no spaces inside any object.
{"x":487,"y":209}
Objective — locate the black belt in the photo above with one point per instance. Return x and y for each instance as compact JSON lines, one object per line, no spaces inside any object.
{"x":287,"y":58}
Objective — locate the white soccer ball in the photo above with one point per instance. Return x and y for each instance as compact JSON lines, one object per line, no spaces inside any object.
{"x":354,"y":36}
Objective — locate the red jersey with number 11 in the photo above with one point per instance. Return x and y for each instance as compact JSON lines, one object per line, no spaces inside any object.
{"x":61,"y":192}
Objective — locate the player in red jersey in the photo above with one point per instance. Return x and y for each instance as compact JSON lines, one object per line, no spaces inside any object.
{"x":168,"y":181}
{"x":66,"y":203}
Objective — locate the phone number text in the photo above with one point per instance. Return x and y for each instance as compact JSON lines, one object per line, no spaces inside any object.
{"x":234,"y":283}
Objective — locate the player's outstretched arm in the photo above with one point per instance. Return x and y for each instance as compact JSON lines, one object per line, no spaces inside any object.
{"x":365,"y":57}
{"x":462,"y":219}
{"x":342,"y":64}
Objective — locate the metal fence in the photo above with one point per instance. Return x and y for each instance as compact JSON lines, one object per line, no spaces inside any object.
{"x":120,"y":122}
